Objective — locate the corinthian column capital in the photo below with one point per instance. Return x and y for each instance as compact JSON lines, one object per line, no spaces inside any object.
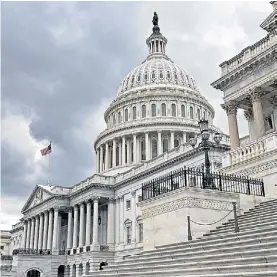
{"x":255,"y":94}
{"x":230,"y":107}
{"x":248,"y":114}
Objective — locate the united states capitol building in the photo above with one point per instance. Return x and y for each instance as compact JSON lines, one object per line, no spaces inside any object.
{"x":152,"y":208}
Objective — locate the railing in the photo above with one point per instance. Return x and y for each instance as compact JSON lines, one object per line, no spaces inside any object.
{"x":248,"y":53}
{"x":186,"y":177}
{"x":251,"y":150}
{"x":28,"y":251}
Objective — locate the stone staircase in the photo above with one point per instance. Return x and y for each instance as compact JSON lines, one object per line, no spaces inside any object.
{"x":221,"y":253}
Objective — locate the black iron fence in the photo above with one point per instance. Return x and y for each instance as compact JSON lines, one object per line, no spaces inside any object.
{"x":186,"y":177}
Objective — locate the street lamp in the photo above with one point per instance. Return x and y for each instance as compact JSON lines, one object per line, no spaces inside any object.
{"x":206,"y":145}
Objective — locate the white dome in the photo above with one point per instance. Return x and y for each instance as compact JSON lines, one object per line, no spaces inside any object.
{"x":155,"y":70}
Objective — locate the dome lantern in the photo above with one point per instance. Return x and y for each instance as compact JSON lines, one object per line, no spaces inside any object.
{"x":156,"y":42}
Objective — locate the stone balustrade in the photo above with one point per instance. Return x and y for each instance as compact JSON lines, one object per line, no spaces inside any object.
{"x":244,"y":140}
{"x":248,"y":53}
{"x":251,"y":150}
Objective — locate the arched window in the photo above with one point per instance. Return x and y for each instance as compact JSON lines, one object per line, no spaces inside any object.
{"x":132,"y":152}
{"x":198,"y":114}
{"x":173,"y":109}
{"x":154,"y":148}
{"x":133,"y":80}
{"x":176,"y":142}
{"x":168,"y":75}
{"x":61,"y":270}
{"x":191,"y":112}
{"x":163,"y":109}
{"x":119,"y":117}
{"x":80,"y":270}
{"x":153,"y":75}
{"x":183,"y":111}
{"x":126,"y":115}
{"x":161,"y":75}
{"x":142,"y":150}
{"x":145,"y":76}
{"x":165,"y":145}
{"x":204,"y":114}
{"x":134,"y":113}
{"x":143,"y":111}
{"x":126,"y":150}
{"x":139,"y":78}
{"x":153,"y":109}
{"x":87,"y":268}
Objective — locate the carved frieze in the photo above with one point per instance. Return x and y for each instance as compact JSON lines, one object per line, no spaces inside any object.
{"x":187,"y":202}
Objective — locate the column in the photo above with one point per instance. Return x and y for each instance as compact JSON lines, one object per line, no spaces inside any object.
{"x":82,"y":225}
{"x":147,"y":148}
{"x":171,"y":140}
{"x":25,"y":235}
{"x":50,"y":230}
{"x":69,"y":229}
{"x":88,"y":223}
{"x":231,"y":110}
{"x":28,"y":233}
{"x":135,"y":149}
{"x":117,"y":223}
{"x":123,"y":150}
{"x":95,"y":221}
{"x":97,"y":161}
{"x":40,"y":234}
{"x":184,"y":137}
{"x":258,"y":113}
{"x":159,"y":143}
{"x":114,"y":153}
{"x":55,"y":229}
{"x":111,"y":227}
{"x":121,"y":227}
{"x":128,"y":151}
{"x":75,"y":226}
{"x":32,"y":233}
{"x":133,"y":205}
{"x":107,"y":156}
{"x":101,"y":159}
{"x":45,"y":230}
{"x":36,"y":233}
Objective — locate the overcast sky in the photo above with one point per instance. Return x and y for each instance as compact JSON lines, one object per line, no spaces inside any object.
{"x":63,"y":62}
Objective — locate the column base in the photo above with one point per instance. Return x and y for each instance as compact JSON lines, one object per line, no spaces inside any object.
{"x":95,"y":247}
{"x":55,"y":252}
{"x":111,"y":246}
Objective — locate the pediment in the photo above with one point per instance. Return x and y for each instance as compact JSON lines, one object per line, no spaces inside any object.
{"x":38,"y":195}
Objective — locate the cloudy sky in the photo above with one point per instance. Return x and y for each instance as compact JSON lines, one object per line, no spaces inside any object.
{"x":62,"y":64}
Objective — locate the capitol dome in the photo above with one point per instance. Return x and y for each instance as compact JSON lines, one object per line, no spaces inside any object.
{"x":154,"y":71}
{"x":157,"y":108}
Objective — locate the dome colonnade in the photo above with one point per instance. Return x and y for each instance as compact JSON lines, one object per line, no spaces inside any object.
{"x":158,"y":107}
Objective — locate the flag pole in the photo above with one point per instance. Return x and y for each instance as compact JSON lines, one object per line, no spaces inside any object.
{"x":48,"y":181}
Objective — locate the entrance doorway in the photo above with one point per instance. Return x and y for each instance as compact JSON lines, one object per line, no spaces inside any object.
{"x":33,"y":273}
{"x":61,"y":271}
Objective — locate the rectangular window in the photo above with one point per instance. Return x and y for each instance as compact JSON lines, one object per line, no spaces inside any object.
{"x":128,"y":234}
{"x":128,"y":204}
{"x":140,"y":232}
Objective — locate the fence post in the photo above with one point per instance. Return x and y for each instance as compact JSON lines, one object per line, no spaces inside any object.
{"x":262,"y":184}
{"x":248,"y":187}
{"x":189,"y":229}
{"x":185,"y":176}
{"x":220,"y":182}
{"x":235,"y":217}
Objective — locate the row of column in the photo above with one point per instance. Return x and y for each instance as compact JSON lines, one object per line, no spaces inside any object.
{"x":258,"y":117}
{"x":103,"y":161}
{"x":40,"y":232}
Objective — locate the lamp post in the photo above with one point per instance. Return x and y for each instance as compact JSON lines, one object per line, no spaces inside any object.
{"x":206,"y":145}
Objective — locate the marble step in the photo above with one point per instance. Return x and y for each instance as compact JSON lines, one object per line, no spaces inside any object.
{"x":223,"y":249}
{"x":255,"y":222}
{"x":266,"y":209}
{"x":230,"y":233}
{"x":240,"y":237}
{"x":192,"y":265}
{"x":253,"y":219}
{"x":178,"y":270}
{"x":199,"y":259}
{"x":242,"y":228}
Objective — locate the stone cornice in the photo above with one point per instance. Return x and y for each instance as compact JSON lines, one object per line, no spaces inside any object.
{"x":263,"y":59}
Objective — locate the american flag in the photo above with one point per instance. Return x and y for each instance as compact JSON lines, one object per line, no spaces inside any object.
{"x":45,"y":151}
